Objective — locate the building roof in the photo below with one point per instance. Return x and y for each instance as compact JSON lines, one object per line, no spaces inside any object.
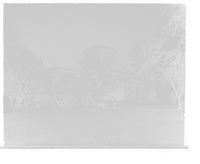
{"x":116,"y":72}
{"x":100,"y":47}
{"x":124,"y":71}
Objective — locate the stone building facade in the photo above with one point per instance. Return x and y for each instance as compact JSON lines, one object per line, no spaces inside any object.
{"x":138,"y":87}
{"x":137,"y":91}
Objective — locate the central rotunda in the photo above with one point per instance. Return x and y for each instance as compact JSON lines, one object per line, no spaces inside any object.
{"x":103,"y":52}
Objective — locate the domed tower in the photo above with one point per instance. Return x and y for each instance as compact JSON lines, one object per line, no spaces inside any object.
{"x":99,"y":58}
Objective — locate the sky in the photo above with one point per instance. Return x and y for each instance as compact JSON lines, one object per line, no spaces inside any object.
{"x":59,"y":33}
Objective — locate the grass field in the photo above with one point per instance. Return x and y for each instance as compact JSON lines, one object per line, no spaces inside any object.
{"x":94,"y":127}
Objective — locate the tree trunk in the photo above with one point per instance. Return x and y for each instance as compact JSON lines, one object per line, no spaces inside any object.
{"x":179,"y":103}
{"x":177,"y":95}
{"x":19,"y":102}
{"x":11,"y":101}
{"x":48,"y":97}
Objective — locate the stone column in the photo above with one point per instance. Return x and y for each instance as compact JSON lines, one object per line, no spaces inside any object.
{"x":130,"y":91}
{"x":146,"y":89}
{"x":144,"y":92}
{"x":135,"y":92}
{"x":126,"y":90}
{"x":140,"y":93}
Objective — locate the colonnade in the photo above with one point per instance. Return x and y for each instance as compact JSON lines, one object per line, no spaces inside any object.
{"x":147,"y":93}
{"x":138,"y":92}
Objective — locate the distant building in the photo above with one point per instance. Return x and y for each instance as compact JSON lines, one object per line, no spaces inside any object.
{"x":138,"y":87}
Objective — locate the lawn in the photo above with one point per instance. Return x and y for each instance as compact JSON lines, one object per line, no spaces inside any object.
{"x":94,"y":127}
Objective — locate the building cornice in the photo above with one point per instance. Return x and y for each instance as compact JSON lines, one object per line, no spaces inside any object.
{"x":77,"y":70}
{"x":98,"y":47}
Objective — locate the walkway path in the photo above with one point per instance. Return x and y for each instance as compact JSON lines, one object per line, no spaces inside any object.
{"x":21,"y":110}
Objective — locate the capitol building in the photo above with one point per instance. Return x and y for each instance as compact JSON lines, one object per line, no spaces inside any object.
{"x":105,"y":55}
{"x":138,"y":87}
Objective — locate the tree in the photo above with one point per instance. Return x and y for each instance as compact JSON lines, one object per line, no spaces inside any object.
{"x":19,"y":66}
{"x":69,"y":87}
{"x":10,"y":73}
{"x":94,"y":70}
{"x":167,"y":53}
{"x":113,"y":91}
{"x":173,"y":98}
{"x":90,"y":91}
{"x":153,"y":94}
{"x":153,"y":76}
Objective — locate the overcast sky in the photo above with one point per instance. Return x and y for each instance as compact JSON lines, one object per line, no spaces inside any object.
{"x":60,"y":32}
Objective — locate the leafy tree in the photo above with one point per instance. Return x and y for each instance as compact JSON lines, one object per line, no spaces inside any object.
{"x":10,"y":73}
{"x":90,"y":91}
{"x":113,"y":91}
{"x":153,"y":76}
{"x":94,"y":70}
{"x":23,"y":73}
{"x":153,"y":94}
{"x":165,"y":54}
{"x":69,"y":87}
